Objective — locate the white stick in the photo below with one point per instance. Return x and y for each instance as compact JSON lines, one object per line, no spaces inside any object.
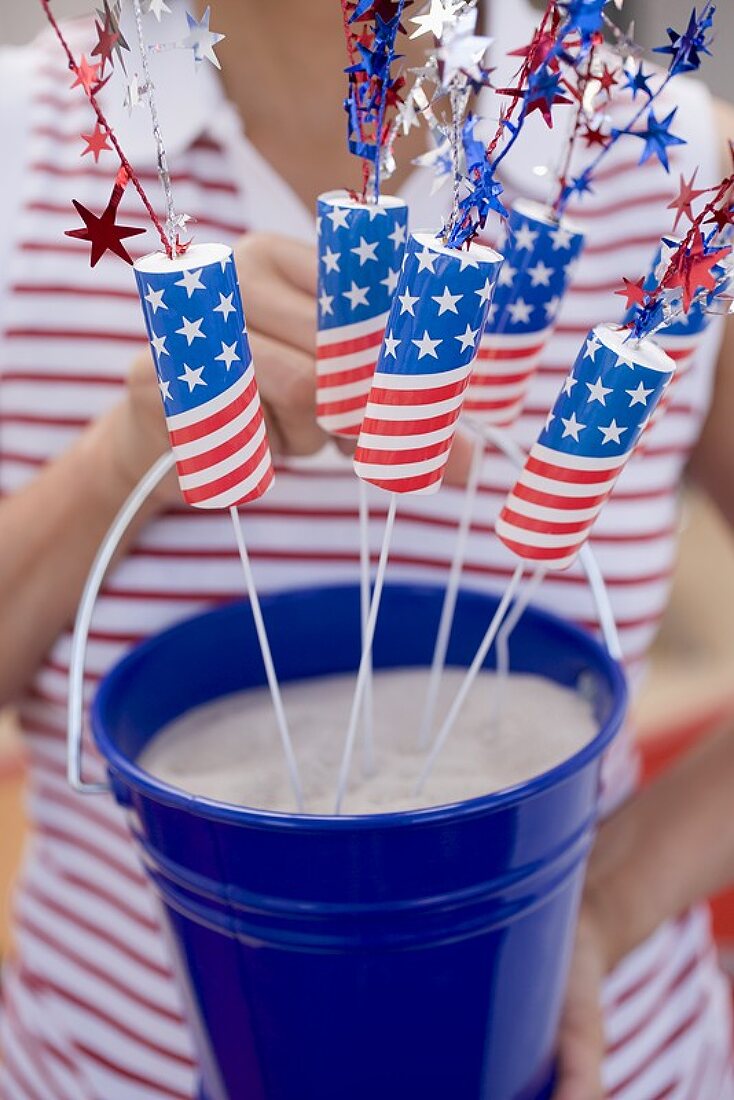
{"x":365,"y":593}
{"x":267,"y":657}
{"x":366,"y":658}
{"x":452,"y":591}
{"x":470,"y":677}
{"x":503,"y":642}
{"x":601,"y":599}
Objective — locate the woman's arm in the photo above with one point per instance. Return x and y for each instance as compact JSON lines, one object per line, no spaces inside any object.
{"x":51,"y":529}
{"x":50,"y":533}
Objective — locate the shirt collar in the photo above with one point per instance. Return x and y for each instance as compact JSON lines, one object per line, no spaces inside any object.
{"x":191,"y":98}
{"x":188,"y":95}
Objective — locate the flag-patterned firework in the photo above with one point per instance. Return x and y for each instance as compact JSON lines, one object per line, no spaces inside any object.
{"x":539,"y":253}
{"x":604,"y":406}
{"x":196,"y":327}
{"x":361,"y":247}
{"x":435,"y":323}
{"x":681,"y":339}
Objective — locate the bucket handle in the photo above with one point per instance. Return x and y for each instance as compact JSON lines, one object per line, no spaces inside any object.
{"x":147,"y":485}
{"x":75,"y":718}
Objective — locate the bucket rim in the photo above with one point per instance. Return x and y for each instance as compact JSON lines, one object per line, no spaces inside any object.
{"x":142,"y":781}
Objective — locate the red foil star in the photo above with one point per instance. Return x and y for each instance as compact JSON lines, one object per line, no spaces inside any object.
{"x":87,"y":76}
{"x":608,"y":80}
{"x":537,"y":50}
{"x":633,"y":293}
{"x":721,"y":218}
{"x":107,"y":40}
{"x":594,"y":136}
{"x":97,"y":143}
{"x":685,"y":197}
{"x":102,"y":232}
{"x":693,"y":270}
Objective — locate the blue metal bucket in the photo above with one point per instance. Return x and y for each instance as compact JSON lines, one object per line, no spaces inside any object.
{"x":397,"y":956}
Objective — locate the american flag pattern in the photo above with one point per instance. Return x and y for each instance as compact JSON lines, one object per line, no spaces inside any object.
{"x":196,"y":327}
{"x":539,"y":255}
{"x":599,"y":415}
{"x":425,"y":362}
{"x":361,"y":248}
{"x":682,"y":340}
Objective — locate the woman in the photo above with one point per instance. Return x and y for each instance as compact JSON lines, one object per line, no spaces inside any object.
{"x":91,"y":1009}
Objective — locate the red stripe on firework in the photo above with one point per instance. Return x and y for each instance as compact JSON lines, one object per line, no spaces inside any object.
{"x":347,"y":347}
{"x":541,"y":553}
{"x":348,"y":404}
{"x":217,"y":420}
{"x":409,"y":485}
{"x":563,"y":473}
{"x":217,"y":454}
{"x":508,"y":353}
{"x":474,"y":403}
{"x":349,"y":374}
{"x":375,"y":456}
{"x":551,"y":500}
{"x":380,"y":396}
{"x":371,"y":426}
{"x":232,"y":479}
{"x":542,"y":526}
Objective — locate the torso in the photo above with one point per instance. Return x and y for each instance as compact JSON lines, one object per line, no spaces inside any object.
{"x":92,"y":991}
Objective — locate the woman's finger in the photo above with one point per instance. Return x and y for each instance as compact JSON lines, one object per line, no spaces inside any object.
{"x":297,"y":262}
{"x":278,"y":310}
{"x":459,"y":460}
{"x":287,"y":386}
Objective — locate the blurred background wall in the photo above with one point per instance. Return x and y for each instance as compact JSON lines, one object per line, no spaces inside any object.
{"x":19,"y":20}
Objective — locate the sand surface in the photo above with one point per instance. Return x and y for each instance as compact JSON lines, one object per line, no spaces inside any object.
{"x":229,"y":750}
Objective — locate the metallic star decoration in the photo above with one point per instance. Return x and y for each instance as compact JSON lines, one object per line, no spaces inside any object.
{"x":88,"y":76}
{"x":102,"y":232}
{"x":158,"y":8}
{"x":97,"y":143}
{"x":440,"y":14}
{"x":638,"y":81}
{"x":201,"y":40}
{"x":109,"y":17}
{"x":107,"y":40}
{"x":657,"y":138}
{"x":683,"y":201}
{"x":462,"y":51}
{"x":633,"y":293}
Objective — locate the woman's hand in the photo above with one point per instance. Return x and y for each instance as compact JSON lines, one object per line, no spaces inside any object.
{"x":581,"y":1038}
{"x":278,"y":280}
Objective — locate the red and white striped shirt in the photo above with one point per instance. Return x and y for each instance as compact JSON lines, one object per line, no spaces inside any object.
{"x":91,"y":1010}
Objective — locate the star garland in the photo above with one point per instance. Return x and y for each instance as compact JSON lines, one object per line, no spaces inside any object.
{"x":686,"y":51}
{"x":699,"y":268}
{"x":568,"y":32}
{"x":455,"y":67}
{"x":101,"y":231}
{"x":370,"y":30}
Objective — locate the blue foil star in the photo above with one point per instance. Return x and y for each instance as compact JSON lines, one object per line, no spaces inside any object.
{"x":584,"y":16}
{"x":685,"y":49}
{"x":473,"y":148}
{"x":657,"y":138}
{"x":638,"y":82}
{"x":581,"y":185}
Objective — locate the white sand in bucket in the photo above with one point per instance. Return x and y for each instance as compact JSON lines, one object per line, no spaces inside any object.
{"x":229,"y":750}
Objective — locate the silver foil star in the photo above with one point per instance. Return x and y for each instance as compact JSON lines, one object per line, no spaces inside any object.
{"x":201,"y":40}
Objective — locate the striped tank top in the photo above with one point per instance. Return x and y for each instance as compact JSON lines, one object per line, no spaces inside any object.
{"x":90,"y":1008}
